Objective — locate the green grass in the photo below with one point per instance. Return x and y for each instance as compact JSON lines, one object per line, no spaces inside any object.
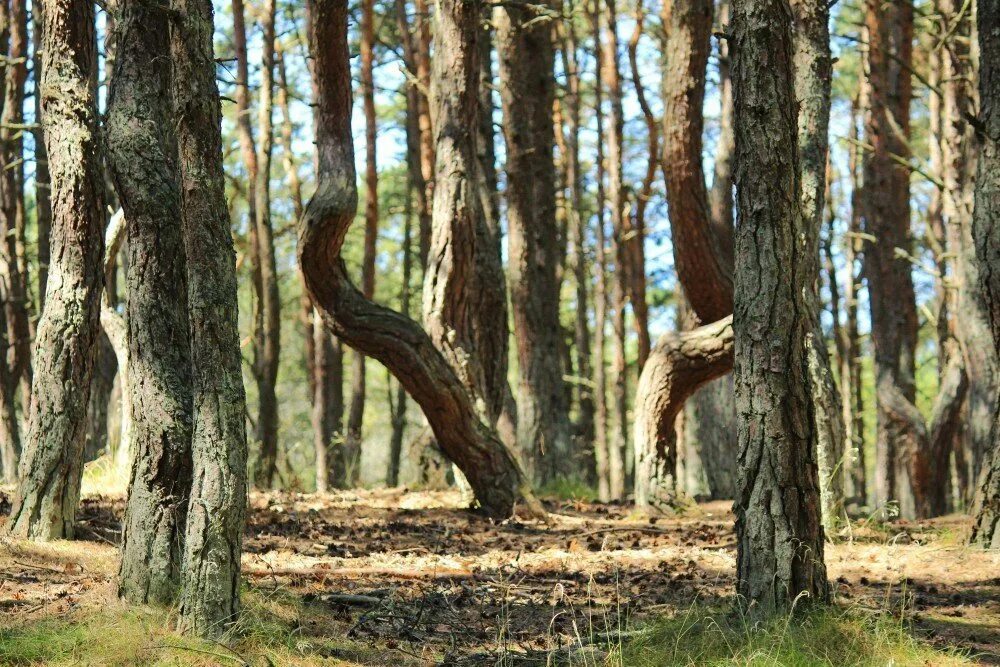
{"x":568,"y":489}
{"x":834,"y":636}
{"x":270,"y":632}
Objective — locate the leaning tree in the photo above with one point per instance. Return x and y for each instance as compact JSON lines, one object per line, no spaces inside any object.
{"x":390,"y":337}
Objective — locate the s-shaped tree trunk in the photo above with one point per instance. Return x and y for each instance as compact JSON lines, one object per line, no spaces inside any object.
{"x":393,"y":339}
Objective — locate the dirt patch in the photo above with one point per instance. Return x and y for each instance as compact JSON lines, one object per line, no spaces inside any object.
{"x":425,"y":580}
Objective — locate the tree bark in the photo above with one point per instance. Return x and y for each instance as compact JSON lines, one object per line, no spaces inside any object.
{"x":43,"y":204}
{"x":142,"y":153}
{"x":813,"y":72}
{"x":524,"y":43}
{"x":986,"y":232}
{"x":49,"y":490}
{"x":778,"y":523}
{"x":214,"y":530}
{"x":464,"y":299}
{"x":267,"y":316}
{"x":395,"y":340}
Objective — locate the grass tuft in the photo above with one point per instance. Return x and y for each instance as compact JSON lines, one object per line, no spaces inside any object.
{"x":832,"y":636}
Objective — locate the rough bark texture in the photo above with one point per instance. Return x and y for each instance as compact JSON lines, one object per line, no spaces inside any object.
{"x":778,"y":529}
{"x":43,"y":204}
{"x":267,"y":308}
{"x":46,"y":499}
{"x":395,"y":340}
{"x":524,"y":44}
{"x":143,"y":159}
{"x":986,"y":231}
{"x":214,"y":531}
{"x":813,"y":73}
{"x":677,"y":366}
{"x":464,"y":300}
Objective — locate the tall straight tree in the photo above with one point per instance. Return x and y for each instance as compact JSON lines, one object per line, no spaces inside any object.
{"x":394,"y":339}
{"x":778,"y":529}
{"x":908,"y":466}
{"x":356,"y":416}
{"x":986,"y":231}
{"x":50,"y":470}
{"x":142,"y":152}
{"x":524,"y":44}
{"x":465,"y":301}
{"x":214,"y":532}
{"x":267,"y":308}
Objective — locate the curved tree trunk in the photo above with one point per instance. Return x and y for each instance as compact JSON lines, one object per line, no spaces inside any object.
{"x":214,"y":531}
{"x":395,"y":340}
{"x":142,"y":154}
{"x":679,"y":364}
{"x":49,"y":491}
{"x":778,"y":523}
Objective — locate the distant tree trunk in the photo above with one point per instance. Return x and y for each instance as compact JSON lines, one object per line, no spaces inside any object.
{"x":636,"y":243}
{"x":355,"y":419}
{"x":615,"y":139}
{"x":422,"y":51}
{"x":602,"y":453}
{"x":399,"y":405}
{"x":267,"y":316}
{"x":907,"y":449}
{"x":971,"y":324}
{"x":142,"y":152}
{"x":393,"y":339}
{"x":813,"y":73}
{"x":986,"y":232}
{"x":584,"y":428}
{"x":526,"y":71}
{"x":16,"y":338}
{"x":43,"y":204}
{"x":778,"y":530}
{"x":214,"y":531}
{"x":464,"y":299}
{"x":50,"y":470}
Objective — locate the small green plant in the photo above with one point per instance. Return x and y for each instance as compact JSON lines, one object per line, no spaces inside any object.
{"x":569,"y":489}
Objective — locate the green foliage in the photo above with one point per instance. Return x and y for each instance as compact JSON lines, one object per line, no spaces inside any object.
{"x":569,"y":489}
{"x":833,"y":636}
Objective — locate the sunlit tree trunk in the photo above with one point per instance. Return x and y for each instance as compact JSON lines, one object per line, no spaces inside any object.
{"x":142,"y":152}
{"x":46,"y":499}
{"x":394,"y":339}
{"x":778,"y":530}
{"x":213,"y":534}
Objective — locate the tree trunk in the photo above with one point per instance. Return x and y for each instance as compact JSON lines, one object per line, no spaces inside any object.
{"x":602,"y":453}
{"x":887,"y":213}
{"x":524,"y":42}
{"x":46,"y":499}
{"x":399,"y":409}
{"x":636,"y":243}
{"x":813,"y":72}
{"x":395,"y":340}
{"x":214,"y":531}
{"x":778,"y":529}
{"x":614,"y":139}
{"x":464,"y":300}
{"x":267,"y":316}
{"x":986,"y":232}
{"x":355,"y":420}
{"x":43,"y":204}
{"x":142,"y":154}
{"x":422,"y":51}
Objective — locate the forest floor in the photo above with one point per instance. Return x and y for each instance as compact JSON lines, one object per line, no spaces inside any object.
{"x":395,"y":578}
